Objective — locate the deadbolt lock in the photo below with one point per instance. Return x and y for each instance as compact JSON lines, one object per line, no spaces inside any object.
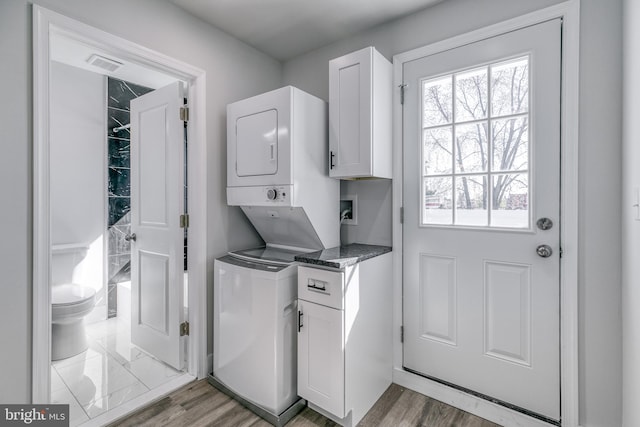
{"x":544,"y":223}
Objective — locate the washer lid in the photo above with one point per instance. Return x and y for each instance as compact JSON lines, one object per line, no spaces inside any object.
{"x":268,"y":254}
{"x":70,"y":294}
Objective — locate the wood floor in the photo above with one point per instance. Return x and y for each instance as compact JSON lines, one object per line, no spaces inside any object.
{"x":199,"y":404}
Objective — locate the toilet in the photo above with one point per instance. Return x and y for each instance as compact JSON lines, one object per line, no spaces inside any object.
{"x":70,"y":302}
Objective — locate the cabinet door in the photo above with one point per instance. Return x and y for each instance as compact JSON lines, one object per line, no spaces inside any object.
{"x":321,"y":356}
{"x":350,"y":84}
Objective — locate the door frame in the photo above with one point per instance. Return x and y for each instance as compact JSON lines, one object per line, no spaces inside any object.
{"x":45,"y":24}
{"x":569,"y":11}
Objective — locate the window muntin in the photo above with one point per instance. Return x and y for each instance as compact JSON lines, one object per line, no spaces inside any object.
{"x":475,"y":147}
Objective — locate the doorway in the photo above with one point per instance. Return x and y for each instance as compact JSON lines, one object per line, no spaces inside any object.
{"x":482,"y":217}
{"x":115,"y":368}
{"x":49,"y":29}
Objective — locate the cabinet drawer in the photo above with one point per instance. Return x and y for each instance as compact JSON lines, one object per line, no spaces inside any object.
{"x":321,"y":286}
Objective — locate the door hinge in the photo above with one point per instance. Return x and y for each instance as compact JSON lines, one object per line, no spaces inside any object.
{"x":184,"y":221}
{"x":401,"y":215}
{"x":401,"y":333}
{"x":184,"y":329}
{"x":402,"y":87}
{"x":560,"y":251}
{"x":184,"y":114}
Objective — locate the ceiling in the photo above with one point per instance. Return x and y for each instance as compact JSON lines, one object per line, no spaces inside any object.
{"x":286,"y":28}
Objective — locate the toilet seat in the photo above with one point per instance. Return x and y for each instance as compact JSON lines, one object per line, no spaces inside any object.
{"x":70,"y":294}
{"x":70,"y":301}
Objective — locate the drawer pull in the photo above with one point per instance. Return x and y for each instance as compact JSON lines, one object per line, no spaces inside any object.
{"x":317,"y":286}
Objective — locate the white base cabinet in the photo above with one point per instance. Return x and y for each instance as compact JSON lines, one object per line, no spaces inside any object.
{"x":345,"y":337}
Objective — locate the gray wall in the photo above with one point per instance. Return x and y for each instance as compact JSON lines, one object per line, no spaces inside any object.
{"x":234,"y":71}
{"x":630,"y":226}
{"x":600,"y":157}
{"x":373,"y":210}
{"x":600,"y":348}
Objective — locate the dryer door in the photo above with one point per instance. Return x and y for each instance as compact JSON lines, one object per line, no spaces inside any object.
{"x":259,"y":140}
{"x":257,"y":144}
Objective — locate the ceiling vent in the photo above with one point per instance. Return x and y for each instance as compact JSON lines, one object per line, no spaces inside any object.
{"x":104,"y":63}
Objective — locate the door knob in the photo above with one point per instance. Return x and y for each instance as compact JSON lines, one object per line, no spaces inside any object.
{"x":544,"y":251}
{"x":130,"y":237}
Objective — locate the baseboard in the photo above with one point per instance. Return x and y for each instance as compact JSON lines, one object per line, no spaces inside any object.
{"x":464,"y":401}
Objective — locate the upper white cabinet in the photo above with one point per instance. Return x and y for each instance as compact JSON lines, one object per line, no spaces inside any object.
{"x":360,"y":91}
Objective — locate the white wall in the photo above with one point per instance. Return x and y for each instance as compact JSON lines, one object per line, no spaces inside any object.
{"x":630,"y":226}
{"x":233,"y":71}
{"x":600,"y":351}
{"x":78,"y":162}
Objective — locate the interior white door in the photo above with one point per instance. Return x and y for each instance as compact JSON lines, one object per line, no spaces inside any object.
{"x":481,"y":167}
{"x":157,"y":201}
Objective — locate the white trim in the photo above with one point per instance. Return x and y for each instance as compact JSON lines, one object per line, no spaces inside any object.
{"x":46,"y":22}
{"x":41,"y":343}
{"x":569,"y":207}
{"x":570,"y":12}
{"x":197,"y":237}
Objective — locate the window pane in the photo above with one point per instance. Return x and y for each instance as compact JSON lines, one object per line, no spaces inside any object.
{"x":510,"y":144}
{"x":437,"y":151}
{"x":436,"y":102}
{"x":510,"y":87}
{"x":471,"y":95}
{"x":437,"y":201}
{"x":471,"y":147}
{"x":471,"y":200}
{"x":510,"y":206}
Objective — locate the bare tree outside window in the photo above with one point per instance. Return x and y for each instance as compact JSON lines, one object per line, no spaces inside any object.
{"x":476,"y":146}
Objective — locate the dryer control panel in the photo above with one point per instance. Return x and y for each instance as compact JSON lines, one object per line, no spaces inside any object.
{"x":276,"y":194}
{"x":268,"y":195}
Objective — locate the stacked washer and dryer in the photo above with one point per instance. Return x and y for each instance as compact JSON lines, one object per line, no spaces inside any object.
{"x":277,"y":173}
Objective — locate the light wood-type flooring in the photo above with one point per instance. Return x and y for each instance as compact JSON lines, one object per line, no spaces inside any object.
{"x":199,"y":404}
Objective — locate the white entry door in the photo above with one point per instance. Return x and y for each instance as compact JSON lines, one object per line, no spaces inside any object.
{"x":157,"y":201}
{"x":481,"y":233}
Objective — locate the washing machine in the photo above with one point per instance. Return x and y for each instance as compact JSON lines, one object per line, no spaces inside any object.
{"x":254,"y":331}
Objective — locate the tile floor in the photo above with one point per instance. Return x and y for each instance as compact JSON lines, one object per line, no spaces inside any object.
{"x":111,"y":372}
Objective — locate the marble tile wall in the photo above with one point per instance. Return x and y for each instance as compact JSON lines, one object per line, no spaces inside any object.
{"x":119,"y":94}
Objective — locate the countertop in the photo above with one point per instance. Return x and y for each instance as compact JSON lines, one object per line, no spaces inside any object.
{"x":343,"y":256}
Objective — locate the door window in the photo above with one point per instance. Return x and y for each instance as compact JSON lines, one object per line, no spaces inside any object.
{"x":475,"y":147}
